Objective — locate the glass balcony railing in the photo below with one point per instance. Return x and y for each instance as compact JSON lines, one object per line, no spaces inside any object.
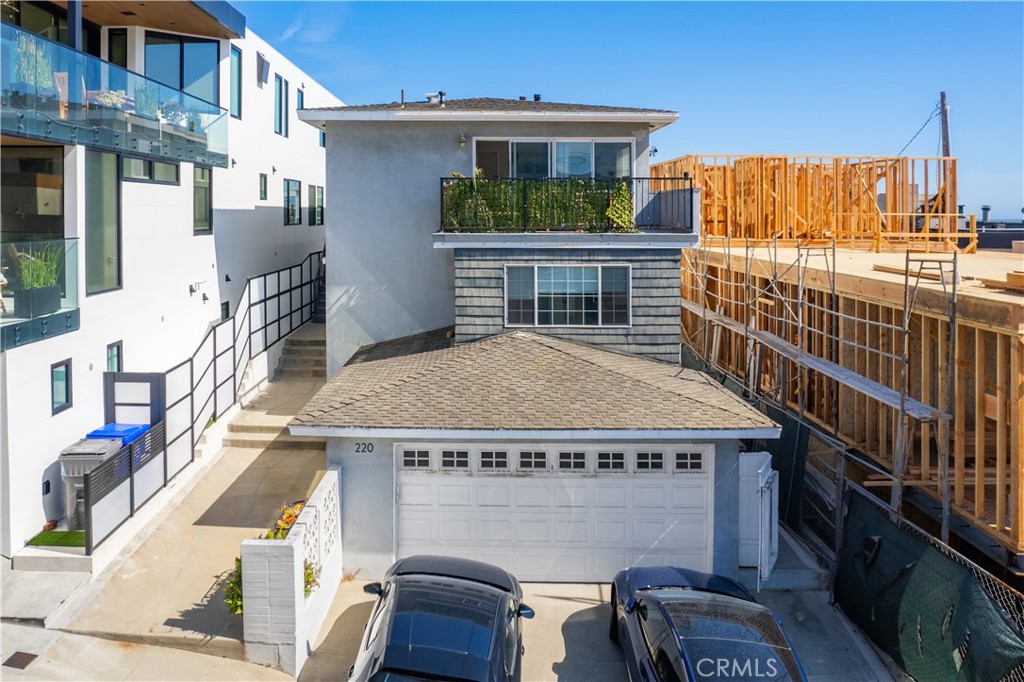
{"x":51,"y":92}
{"x":39,"y":290}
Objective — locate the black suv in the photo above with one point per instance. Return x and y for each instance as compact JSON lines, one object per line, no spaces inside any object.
{"x":443,"y":618}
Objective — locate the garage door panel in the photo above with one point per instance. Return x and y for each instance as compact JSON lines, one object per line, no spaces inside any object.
{"x":533,"y":530}
{"x":418,"y":494}
{"x":571,"y":531}
{"x":455,"y":493}
{"x":494,"y":530}
{"x":610,"y":496}
{"x":567,"y":495}
{"x":649,"y":495}
{"x":610,"y":531}
{"x":532,"y":493}
{"x":690,"y":495}
{"x":494,"y":493}
{"x":412,"y":529}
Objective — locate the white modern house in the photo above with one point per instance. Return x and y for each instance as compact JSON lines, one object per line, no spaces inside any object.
{"x":152,"y":160}
{"x":503,"y":328}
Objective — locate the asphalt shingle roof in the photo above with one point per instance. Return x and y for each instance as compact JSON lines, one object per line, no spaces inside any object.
{"x":523,"y":381}
{"x":494,"y":104}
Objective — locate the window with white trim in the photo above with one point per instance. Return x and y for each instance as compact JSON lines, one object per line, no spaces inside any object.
{"x":611,"y":461}
{"x":650,"y":461}
{"x":689,"y":461}
{"x":454,"y":459}
{"x":565,"y":158}
{"x":493,"y":459}
{"x":415,"y":459}
{"x":574,"y":461}
{"x":533,"y":460}
{"x":567,"y":295}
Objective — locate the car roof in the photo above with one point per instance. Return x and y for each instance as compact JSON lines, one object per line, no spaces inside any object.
{"x":653,"y":577}
{"x":455,"y":567}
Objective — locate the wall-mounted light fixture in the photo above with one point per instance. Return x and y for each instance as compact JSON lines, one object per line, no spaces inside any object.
{"x":654,"y":152}
{"x":233,"y":163}
{"x":192,"y":289}
{"x":227,"y":278}
{"x":462,"y":140}
{"x":205,"y":298}
{"x":273,"y":169}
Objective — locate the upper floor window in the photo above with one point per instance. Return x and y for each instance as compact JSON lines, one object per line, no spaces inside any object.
{"x":572,"y":158}
{"x":236,"y":82}
{"x":50,"y":21}
{"x":300,"y":99}
{"x":316,"y":205}
{"x":567,"y":295}
{"x":202,"y":209}
{"x":60,"y":386}
{"x":184,"y":63}
{"x":292,"y":202}
{"x":263,"y":186}
{"x":280,"y":105}
{"x":323,"y":139}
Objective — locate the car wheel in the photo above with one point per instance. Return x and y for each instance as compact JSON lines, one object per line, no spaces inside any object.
{"x":613,"y":626}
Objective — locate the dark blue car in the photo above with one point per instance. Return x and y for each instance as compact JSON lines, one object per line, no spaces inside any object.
{"x":678,"y":625}
{"x":443,"y":618}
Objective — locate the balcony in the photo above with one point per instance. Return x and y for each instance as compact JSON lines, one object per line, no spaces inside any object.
{"x":51,"y":92}
{"x":40,"y":297}
{"x":619,"y":212}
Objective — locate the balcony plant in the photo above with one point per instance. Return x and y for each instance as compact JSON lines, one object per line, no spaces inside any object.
{"x":33,"y":73}
{"x":146,"y":101}
{"x":40,"y":291}
{"x":620,"y":209}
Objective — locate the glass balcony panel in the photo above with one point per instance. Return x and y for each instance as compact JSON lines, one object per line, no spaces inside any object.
{"x":49,"y":91}
{"x":41,"y":279}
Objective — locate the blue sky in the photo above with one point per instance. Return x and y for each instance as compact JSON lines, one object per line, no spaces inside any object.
{"x":791,"y":78}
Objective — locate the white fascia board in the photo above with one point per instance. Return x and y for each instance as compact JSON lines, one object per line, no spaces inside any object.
{"x":537,"y":434}
{"x":322,"y":116}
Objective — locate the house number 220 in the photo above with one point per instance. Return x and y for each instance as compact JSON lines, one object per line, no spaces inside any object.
{"x":364,"y":447}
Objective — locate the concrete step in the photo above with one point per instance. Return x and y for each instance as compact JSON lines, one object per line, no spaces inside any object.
{"x":272,"y":441}
{"x":290,"y":361}
{"x":292,"y":342}
{"x":304,"y":352}
{"x":257,"y":428}
{"x":284,"y":372}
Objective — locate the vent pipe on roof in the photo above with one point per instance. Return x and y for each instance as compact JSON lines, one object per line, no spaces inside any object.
{"x":536,"y":98}
{"x":432,"y":97}
{"x":403,"y":98}
{"x":440,"y":97}
{"x":984,"y":213}
{"x":522,"y":98}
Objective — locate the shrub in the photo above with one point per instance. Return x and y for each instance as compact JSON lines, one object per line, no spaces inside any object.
{"x":233,"y":589}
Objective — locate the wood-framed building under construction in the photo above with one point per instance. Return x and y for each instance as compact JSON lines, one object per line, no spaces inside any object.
{"x":900,"y":344}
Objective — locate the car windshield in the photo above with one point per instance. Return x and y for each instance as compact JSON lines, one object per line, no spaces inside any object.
{"x":741,"y":637}
{"x":441,"y":615}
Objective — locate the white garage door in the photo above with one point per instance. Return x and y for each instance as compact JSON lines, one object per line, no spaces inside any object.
{"x":557,"y":512}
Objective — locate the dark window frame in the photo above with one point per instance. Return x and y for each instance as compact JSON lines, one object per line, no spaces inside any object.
{"x":281,"y":110}
{"x":209,"y":229}
{"x":235,"y":79}
{"x":69,"y":393}
{"x":120,"y":224}
{"x":151,"y":180}
{"x":119,"y":345}
{"x":91,"y":32}
{"x":323,"y":139}
{"x":264,"y":183}
{"x":316,"y":205}
{"x":300,"y":99}
{"x":182,"y":39}
{"x":298,"y":199}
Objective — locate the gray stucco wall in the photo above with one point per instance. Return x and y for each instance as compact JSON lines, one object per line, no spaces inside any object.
{"x":367,"y":489}
{"x":384,"y":278}
{"x":654,"y":297}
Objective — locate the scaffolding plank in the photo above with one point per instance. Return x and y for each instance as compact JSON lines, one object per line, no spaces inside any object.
{"x":847,"y":377}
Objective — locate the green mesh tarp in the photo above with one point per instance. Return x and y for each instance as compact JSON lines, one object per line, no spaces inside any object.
{"x":923,"y":608}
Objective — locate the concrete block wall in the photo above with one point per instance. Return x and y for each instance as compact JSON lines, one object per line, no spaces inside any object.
{"x":279,"y":622}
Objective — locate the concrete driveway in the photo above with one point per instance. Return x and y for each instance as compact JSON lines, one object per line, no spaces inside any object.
{"x":568,"y":641}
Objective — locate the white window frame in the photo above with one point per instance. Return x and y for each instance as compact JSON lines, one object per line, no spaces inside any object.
{"x":477,"y":458}
{"x":655,"y":450}
{"x":551,"y":141}
{"x":585,"y":469}
{"x":415,"y":449}
{"x":611,"y":451}
{"x":701,"y":459}
{"x":600,"y":282}
{"x":455,"y":458}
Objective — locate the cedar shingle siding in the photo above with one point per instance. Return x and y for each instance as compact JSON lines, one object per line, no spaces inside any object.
{"x":480,"y":291}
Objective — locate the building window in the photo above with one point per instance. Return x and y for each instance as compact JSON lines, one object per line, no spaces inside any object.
{"x":575,"y":461}
{"x":280,"y":105}
{"x":146,"y":170}
{"x":31,"y":196}
{"x":117,"y":47}
{"x":416,"y":459}
{"x":316,"y":205}
{"x":115,"y":357}
{"x":689,"y":461}
{"x":263,"y":186}
{"x":292,"y":202}
{"x":202,"y":208}
{"x":236,"y":82}
{"x":581,"y":158}
{"x":650,"y":461}
{"x":493,"y":459}
{"x":225,"y":311}
{"x":567,"y":295}
{"x":49,"y":21}
{"x":611,"y":461}
{"x":60,"y":386}
{"x":533,"y":460}
{"x":184,"y":63}
{"x":323,"y":139}
{"x":454,"y":459}
{"x":300,"y":99}
{"x":102,"y":222}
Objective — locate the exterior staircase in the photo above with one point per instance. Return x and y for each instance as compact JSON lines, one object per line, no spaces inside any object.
{"x":302,"y":357}
{"x":320,"y":304}
{"x":268,"y":432}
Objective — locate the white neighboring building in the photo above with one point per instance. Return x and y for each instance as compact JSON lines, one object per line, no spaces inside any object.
{"x":156,"y":164}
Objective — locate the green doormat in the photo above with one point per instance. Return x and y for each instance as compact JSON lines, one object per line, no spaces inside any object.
{"x":59,"y":538}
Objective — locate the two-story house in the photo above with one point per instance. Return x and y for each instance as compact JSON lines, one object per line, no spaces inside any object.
{"x":151,"y":160}
{"x":503,"y":340}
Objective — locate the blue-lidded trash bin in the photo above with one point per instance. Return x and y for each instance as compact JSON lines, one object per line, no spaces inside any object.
{"x":126,"y":432}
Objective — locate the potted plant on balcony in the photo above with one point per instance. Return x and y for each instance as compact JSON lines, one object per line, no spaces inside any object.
{"x":108,"y":107}
{"x":145,"y":120}
{"x":620,"y":209}
{"x":40,"y":292}
{"x":33,"y":74}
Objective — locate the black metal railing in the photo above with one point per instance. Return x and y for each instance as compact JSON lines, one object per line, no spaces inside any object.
{"x":569,"y":204}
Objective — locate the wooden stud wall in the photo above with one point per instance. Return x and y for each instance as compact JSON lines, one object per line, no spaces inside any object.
{"x":800,"y":198}
{"x":987,"y":436}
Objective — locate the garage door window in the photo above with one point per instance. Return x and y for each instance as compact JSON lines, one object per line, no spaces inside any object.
{"x":575,"y":461}
{"x":611,"y":461}
{"x":492,"y":459}
{"x":650,"y":461}
{"x":533,"y":460}
{"x":454,"y":459}
{"x":689,"y":461}
{"x":416,"y":459}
